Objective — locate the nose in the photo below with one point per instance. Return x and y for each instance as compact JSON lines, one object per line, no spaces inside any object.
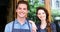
{"x":21,"y":10}
{"x":41,"y":14}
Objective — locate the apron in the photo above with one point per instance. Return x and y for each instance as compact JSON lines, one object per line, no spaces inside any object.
{"x":21,"y":30}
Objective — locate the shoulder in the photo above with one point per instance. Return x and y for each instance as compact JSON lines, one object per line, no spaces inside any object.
{"x":33,"y":24}
{"x":53,"y":26}
{"x":9,"y":25}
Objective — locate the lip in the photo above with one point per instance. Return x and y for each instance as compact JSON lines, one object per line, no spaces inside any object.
{"x":21,"y":13}
{"x":41,"y":17}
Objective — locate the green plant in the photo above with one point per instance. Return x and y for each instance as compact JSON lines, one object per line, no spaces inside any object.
{"x":33,"y":4}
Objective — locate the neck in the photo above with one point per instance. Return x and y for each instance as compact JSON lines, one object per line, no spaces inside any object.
{"x":21,"y":20}
{"x":43,"y":21}
{"x":43,"y":24}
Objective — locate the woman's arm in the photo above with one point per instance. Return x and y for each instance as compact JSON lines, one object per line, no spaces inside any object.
{"x":33,"y":26}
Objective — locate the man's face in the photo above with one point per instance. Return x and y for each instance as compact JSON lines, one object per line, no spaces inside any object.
{"x":22,"y":10}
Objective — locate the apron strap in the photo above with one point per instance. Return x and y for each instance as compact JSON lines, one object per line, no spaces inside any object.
{"x":29,"y":25}
{"x":13,"y":25}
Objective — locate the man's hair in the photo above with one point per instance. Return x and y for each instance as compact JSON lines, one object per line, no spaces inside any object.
{"x":22,"y":2}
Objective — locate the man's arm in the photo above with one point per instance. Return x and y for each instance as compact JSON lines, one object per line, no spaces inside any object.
{"x":7,"y":28}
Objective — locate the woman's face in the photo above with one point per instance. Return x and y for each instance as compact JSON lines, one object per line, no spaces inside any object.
{"x":41,"y":14}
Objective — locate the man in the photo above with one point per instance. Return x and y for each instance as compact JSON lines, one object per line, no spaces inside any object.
{"x":21,"y":23}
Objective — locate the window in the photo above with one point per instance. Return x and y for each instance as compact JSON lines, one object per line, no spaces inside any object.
{"x":57,"y":4}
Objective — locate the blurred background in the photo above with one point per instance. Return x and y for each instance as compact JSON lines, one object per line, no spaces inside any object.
{"x":7,"y":11}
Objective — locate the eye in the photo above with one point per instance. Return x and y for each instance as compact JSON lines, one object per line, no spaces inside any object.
{"x":39,"y":13}
{"x":19,"y":8}
{"x":24,"y":8}
{"x":43,"y":13}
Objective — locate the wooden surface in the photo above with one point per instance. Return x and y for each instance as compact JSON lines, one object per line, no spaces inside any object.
{"x":47,"y":6}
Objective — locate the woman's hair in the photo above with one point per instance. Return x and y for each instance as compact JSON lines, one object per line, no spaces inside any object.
{"x":47,"y":16}
{"x":45,"y":10}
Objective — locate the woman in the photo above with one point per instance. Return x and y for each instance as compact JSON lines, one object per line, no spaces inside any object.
{"x":44,"y":25}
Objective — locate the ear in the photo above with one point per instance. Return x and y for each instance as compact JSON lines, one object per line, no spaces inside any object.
{"x":16,"y":10}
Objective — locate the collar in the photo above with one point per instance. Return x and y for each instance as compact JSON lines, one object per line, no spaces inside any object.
{"x":17,"y":22}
